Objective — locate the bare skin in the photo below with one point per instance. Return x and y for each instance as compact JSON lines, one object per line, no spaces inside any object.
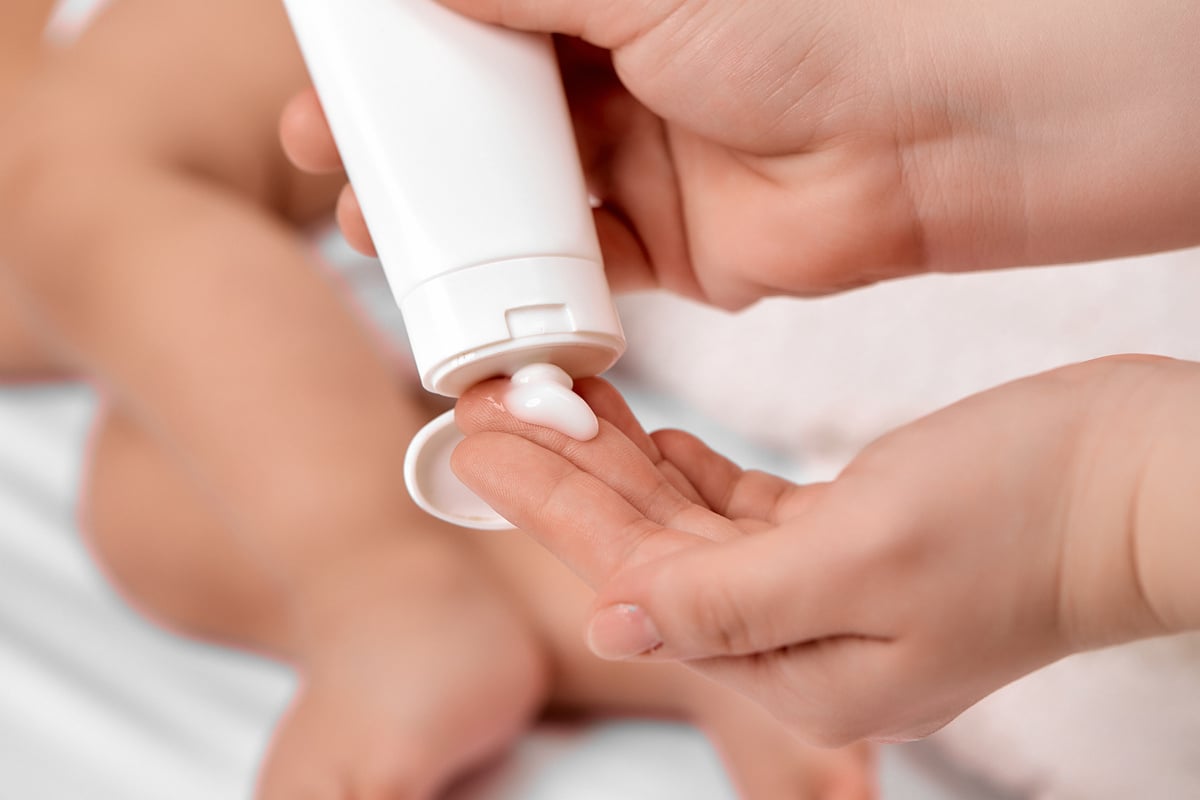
{"x":358,"y":715}
{"x":767,"y":147}
{"x":1048,"y":516}
{"x":20,"y":37}
{"x":242,"y":476}
{"x":22,"y":351}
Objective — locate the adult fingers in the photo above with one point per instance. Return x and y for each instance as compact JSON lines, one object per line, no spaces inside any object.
{"x":611,"y":458}
{"x":608,"y":404}
{"x":306,"y":137}
{"x":574,"y":514}
{"x":778,"y":589}
{"x":309,"y":144}
{"x":626,"y":262}
{"x":727,"y":488}
{"x":626,"y":154}
{"x":784,"y":629}
{"x":352,"y":223}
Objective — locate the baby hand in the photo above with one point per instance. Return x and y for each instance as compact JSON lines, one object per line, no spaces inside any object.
{"x":950,"y":557}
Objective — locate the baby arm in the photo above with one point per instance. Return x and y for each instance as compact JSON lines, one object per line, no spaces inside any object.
{"x":1051,"y":515}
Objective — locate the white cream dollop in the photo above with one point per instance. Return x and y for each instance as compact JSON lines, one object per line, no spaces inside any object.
{"x":541,"y":395}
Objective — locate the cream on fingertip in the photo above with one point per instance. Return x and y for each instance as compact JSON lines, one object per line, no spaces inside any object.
{"x":541,"y":394}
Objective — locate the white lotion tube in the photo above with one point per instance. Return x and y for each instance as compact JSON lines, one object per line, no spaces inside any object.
{"x":457,"y":138}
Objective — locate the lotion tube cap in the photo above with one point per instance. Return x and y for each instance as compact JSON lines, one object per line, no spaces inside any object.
{"x":433,"y":485}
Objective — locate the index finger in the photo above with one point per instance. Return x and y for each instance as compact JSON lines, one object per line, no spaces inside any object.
{"x":572,"y":513}
{"x":621,"y":456}
{"x":599,"y":505}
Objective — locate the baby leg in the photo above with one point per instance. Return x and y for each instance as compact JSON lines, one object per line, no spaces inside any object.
{"x":414,"y":664}
{"x":23,"y":354}
{"x":150,"y":223}
{"x":388,"y":695}
{"x":244,"y":483}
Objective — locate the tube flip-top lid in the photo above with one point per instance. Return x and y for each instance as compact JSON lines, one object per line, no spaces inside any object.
{"x":433,"y":485}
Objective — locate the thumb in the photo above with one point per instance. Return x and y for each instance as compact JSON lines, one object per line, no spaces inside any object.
{"x":756,"y":594}
{"x":606,"y":23}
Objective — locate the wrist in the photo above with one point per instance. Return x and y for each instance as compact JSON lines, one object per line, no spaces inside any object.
{"x":1126,"y":569}
{"x":1165,"y":523}
{"x":1084,"y":150}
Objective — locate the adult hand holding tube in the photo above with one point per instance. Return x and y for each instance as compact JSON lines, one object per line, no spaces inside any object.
{"x":772,"y":147}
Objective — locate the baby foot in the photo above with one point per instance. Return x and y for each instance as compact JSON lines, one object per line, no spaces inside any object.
{"x":414,"y":669}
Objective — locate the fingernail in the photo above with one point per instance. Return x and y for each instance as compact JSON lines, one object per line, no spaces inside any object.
{"x":622,"y":631}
